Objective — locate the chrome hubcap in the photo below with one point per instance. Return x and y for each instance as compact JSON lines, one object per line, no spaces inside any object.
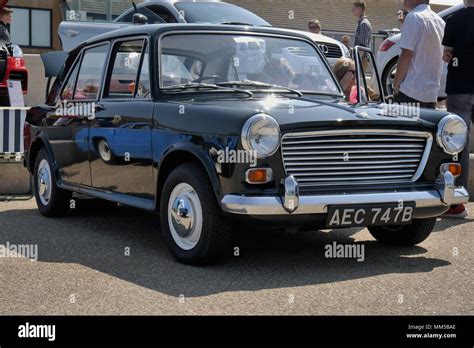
{"x":104,"y":151}
{"x":182,"y":213}
{"x":185,"y":216}
{"x":391,"y":79}
{"x":44,"y":182}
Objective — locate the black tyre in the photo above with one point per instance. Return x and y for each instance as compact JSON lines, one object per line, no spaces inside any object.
{"x":194,"y":227}
{"x":406,"y":235}
{"x":51,"y":200}
{"x":388,"y":77}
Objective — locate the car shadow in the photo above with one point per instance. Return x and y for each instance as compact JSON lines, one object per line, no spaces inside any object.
{"x":444,"y":224}
{"x":100,"y":239}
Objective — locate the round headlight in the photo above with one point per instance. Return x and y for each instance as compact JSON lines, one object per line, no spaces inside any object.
{"x":261,"y":135}
{"x":452,"y":134}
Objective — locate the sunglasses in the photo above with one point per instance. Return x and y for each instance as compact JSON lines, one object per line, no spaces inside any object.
{"x":314,"y":27}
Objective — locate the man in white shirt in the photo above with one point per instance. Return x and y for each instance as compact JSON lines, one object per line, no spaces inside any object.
{"x":419,"y":67}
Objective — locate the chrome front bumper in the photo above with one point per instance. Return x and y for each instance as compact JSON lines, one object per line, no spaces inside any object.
{"x":444,"y":194}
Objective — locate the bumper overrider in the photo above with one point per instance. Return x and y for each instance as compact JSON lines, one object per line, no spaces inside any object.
{"x":431,"y":202}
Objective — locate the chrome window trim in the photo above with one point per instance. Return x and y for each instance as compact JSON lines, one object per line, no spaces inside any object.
{"x":248,"y":33}
{"x":421,"y":168}
{"x":108,"y":69}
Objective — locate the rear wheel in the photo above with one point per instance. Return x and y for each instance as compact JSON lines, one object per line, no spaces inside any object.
{"x":406,"y":235}
{"x":51,"y":200}
{"x":192,"y":222}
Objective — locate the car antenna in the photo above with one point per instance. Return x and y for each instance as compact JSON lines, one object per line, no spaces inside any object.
{"x":135,"y":6}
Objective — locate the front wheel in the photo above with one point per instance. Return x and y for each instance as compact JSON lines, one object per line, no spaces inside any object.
{"x":406,"y":235}
{"x":51,"y":200}
{"x":192,"y":222}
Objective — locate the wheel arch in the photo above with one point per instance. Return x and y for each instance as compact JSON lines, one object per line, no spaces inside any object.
{"x":37,"y":144}
{"x":186,"y":153}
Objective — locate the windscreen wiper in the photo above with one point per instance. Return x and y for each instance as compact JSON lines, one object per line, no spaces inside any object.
{"x":199,"y":86}
{"x":250,"y":83}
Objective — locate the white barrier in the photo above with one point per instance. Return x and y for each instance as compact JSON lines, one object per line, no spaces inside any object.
{"x":14,"y":178}
{"x":12,"y":121}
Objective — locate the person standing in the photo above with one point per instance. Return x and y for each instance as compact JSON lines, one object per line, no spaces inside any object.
{"x":314,"y":26}
{"x":419,"y":68}
{"x":363,"y":35}
{"x":458,"y":45}
{"x":6,"y":16}
{"x":401,"y":15}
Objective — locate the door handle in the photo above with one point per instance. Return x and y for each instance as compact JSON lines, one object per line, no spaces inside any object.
{"x":72,"y":33}
{"x":114,"y":118}
{"x":99,"y":107}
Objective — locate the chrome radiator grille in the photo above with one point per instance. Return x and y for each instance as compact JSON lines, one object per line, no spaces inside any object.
{"x":355,"y":157}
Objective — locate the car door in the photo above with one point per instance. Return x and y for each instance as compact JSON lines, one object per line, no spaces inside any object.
{"x":68,"y":123}
{"x":120,"y":138}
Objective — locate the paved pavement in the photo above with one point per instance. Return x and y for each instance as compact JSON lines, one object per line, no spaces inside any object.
{"x":113,"y":261}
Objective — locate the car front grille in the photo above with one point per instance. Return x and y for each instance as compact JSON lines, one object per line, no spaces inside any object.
{"x":355,"y":157}
{"x":330,"y":50}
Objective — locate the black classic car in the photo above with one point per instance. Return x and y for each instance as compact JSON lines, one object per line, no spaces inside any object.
{"x":211,"y":126}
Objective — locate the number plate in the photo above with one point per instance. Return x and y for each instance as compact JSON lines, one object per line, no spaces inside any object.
{"x":370,"y":215}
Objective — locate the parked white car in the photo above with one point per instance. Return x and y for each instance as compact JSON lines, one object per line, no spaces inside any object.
{"x":389,"y":50}
{"x":332,"y":49}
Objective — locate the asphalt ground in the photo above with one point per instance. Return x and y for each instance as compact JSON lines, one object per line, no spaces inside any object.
{"x":103,"y":261}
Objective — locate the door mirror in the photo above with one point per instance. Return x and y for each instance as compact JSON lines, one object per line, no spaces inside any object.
{"x":369,"y":86}
{"x":140,"y":19}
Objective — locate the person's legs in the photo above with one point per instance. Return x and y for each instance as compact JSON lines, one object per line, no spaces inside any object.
{"x":462,"y":105}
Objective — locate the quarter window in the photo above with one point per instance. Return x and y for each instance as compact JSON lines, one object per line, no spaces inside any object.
{"x":90,"y":73}
{"x":68,"y":89}
{"x":144,"y":87}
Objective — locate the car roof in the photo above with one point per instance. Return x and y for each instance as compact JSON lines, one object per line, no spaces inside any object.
{"x":450,"y":10}
{"x":156,"y":29}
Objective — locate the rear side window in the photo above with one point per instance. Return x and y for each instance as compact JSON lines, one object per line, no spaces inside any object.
{"x":90,"y":73}
{"x":144,"y":86}
{"x":125,"y":63}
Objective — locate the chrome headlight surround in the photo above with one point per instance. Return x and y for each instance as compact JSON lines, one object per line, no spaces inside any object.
{"x":259,"y":128}
{"x":452,"y":134}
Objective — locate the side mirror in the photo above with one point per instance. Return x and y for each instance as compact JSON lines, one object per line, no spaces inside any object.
{"x":369,"y":85}
{"x":140,"y":19}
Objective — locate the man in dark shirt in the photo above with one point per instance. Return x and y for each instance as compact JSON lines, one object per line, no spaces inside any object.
{"x":458,"y":45}
{"x":6,"y":15}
